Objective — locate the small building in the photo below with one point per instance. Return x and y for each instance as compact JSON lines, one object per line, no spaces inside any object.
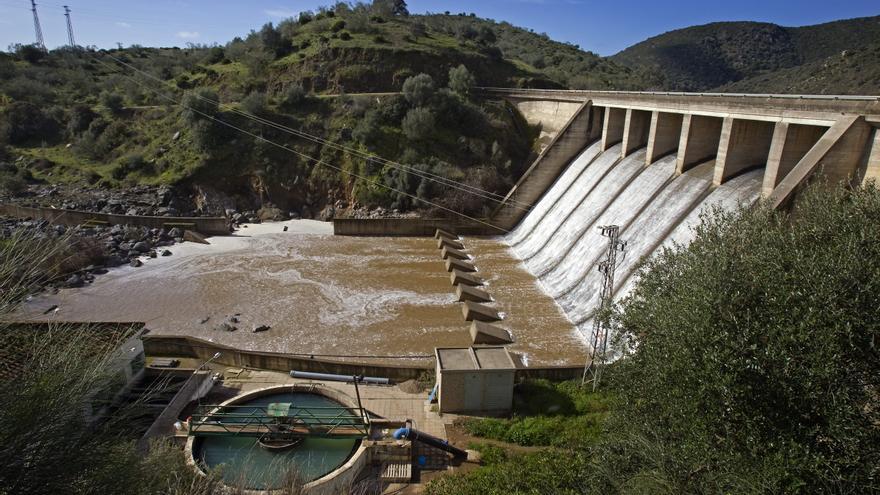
{"x":475,"y":380}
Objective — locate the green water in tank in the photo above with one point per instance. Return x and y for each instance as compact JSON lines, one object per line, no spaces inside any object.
{"x":243,"y":463}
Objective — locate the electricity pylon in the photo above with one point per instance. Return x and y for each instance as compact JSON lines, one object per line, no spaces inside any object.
{"x":599,"y":336}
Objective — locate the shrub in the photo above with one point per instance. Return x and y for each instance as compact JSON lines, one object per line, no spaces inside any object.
{"x":461,"y":81}
{"x":112,"y":102}
{"x":79,"y":119}
{"x":215,"y":55}
{"x":752,"y":353}
{"x":254,"y":103}
{"x":345,"y":36}
{"x":338,"y":25}
{"x":418,"y":89}
{"x":200,"y":104}
{"x":12,"y":183}
{"x":367,"y":130}
{"x":294,"y":96}
{"x":418,"y":123}
{"x":22,"y":121}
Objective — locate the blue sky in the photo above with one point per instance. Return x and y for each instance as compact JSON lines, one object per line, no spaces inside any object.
{"x":605,"y":27}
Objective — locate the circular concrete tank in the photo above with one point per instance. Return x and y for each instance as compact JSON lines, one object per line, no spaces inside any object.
{"x":317,"y":464}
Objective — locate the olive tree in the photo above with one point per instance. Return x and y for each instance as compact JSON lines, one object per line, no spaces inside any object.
{"x":753,"y":361}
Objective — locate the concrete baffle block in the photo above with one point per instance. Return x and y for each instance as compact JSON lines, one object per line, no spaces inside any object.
{"x":443,"y":233}
{"x":459,"y":277}
{"x":444,"y":242}
{"x":480,"y":312}
{"x":486,"y":334}
{"x":448,"y":252}
{"x":193,"y":236}
{"x":468,"y":293}
{"x":460,"y":265}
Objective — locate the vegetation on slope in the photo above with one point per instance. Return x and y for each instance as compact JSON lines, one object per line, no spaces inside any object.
{"x":714,"y":55}
{"x":854,"y":71}
{"x":752,"y":364}
{"x":109,"y":125}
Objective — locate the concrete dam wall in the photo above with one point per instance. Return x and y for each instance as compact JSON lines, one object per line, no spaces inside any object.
{"x":559,"y":241}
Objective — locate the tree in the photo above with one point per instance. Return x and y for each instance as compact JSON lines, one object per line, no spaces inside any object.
{"x":418,"y":89}
{"x":200,"y":104}
{"x":22,"y":121}
{"x":388,"y":8}
{"x":752,"y":355}
{"x":461,"y":81}
{"x":418,"y":123}
{"x":272,"y":41}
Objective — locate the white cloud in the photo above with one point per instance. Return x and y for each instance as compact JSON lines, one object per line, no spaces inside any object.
{"x":123,"y":25}
{"x":280,"y":13}
{"x":188,"y":34}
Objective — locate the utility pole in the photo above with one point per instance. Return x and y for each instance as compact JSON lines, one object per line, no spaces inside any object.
{"x":70,"y":39}
{"x":599,"y":337}
{"x":37,"y":29}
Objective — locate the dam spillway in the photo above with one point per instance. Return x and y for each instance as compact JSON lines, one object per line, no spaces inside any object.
{"x":559,"y":241}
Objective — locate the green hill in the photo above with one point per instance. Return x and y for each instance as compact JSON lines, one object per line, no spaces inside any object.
{"x":718,"y":55}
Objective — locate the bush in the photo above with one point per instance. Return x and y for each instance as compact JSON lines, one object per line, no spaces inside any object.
{"x":79,"y":119}
{"x":254,"y":103}
{"x":338,"y":25}
{"x":418,"y":123}
{"x":549,"y":471}
{"x":418,"y":89}
{"x":345,"y":36}
{"x":12,"y":183}
{"x":199,"y":105}
{"x":461,"y":81}
{"x":368,"y":128}
{"x":22,"y":121}
{"x":133,"y":163}
{"x":294,"y":96}
{"x":752,"y":353}
{"x":112,"y":102}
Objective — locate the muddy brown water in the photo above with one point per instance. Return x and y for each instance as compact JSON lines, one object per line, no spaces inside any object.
{"x":321,"y":295}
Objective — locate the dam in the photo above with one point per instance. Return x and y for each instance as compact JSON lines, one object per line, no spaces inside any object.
{"x":378,"y":291}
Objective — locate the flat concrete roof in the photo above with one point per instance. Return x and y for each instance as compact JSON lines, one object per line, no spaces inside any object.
{"x":456,"y":359}
{"x":495,"y":358}
{"x":475,"y":358}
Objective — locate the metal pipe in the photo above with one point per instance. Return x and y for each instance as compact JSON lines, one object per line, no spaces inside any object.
{"x":310,"y":375}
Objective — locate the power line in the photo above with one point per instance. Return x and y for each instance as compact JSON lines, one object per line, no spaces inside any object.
{"x":317,"y":161}
{"x":490,"y":196}
{"x":69,"y":27}
{"x":38,"y":31}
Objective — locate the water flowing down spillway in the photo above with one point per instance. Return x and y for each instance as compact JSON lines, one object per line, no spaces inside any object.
{"x":559,"y":240}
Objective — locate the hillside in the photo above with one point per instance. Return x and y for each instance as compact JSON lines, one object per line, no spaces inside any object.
{"x":853,"y":71}
{"x":717,"y":55}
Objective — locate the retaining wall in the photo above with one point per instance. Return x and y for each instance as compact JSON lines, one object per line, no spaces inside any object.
{"x":408,"y":227}
{"x":191,"y":347}
{"x":204,"y":225}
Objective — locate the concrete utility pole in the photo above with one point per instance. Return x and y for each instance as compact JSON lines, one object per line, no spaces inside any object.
{"x":37,"y":29}
{"x":599,"y":337}
{"x":70,"y":39}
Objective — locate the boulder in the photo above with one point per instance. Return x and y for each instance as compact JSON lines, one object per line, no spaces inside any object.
{"x":226,"y":327}
{"x":142,"y":246}
{"x":136,"y":263}
{"x":75,"y":280}
{"x":261,"y":328}
{"x":166,"y":252}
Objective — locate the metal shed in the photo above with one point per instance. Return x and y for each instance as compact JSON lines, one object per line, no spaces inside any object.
{"x":474,"y":380}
